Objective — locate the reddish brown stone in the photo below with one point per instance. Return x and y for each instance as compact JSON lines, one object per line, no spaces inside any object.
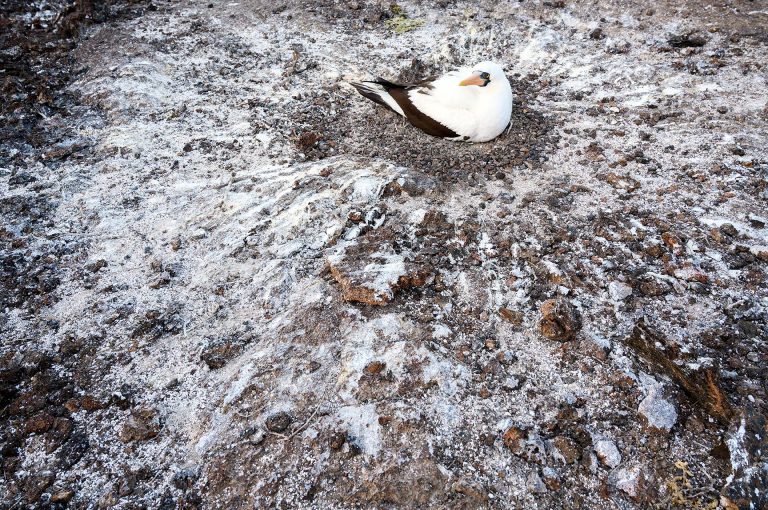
{"x":62,"y":496}
{"x":623,"y":182}
{"x":512,"y":316}
{"x":560,"y":320}
{"x":141,"y":425}
{"x":368,"y":272}
{"x":551,"y":480}
{"x":337,"y":440}
{"x":374,"y":367}
{"x":513,"y":439}
{"x":90,"y":403}
{"x":39,"y":423}
{"x":566,"y":449}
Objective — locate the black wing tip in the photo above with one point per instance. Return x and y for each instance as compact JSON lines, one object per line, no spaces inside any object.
{"x":364,"y":85}
{"x":387,"y":84}
{"x":369,"y":93}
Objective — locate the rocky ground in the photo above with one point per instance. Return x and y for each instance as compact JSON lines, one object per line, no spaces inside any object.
{"x":228,"y":281}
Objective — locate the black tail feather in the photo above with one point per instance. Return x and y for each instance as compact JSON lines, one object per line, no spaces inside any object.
{"x":372,"y":94}
{"x":387,"y":84}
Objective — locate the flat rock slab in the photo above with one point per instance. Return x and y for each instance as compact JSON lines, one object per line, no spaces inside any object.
{"x":370,"y":272}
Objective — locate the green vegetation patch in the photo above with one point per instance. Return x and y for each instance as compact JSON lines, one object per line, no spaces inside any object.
{"x":401,"y":23}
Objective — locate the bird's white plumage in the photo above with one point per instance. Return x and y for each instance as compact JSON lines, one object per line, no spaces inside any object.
{"x":476,"y":114}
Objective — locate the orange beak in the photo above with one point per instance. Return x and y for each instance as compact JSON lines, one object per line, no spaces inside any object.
{"x":473,"y":80}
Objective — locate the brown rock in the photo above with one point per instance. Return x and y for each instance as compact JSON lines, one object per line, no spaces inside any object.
{"x":307,"y":140}
{"x":691,"y":274}
{"x":471,"y":490}
{"x":560,"y":320}
{"x":525,"y":444}
{"x":59,"y":432}
{"x":594,"y":152}
{"x":701,"y":385}
{"x":370,"y":272}
{"x":513,"y":439}
{"x":597,"y":33}
{"x":90,"y":403}
{"x":108,"y":499}
{"x":673,"y":242}
{"x":72,"y":405}
{"x":761,"y":253}
{"x":278,"y":422}
{"x":654,"y":250}
{"x":161,"y":281}
{"x":623,"y":182}
{"x":62,"y":496}
{"x":337,"y":440}
{"x":374,"y":367}
{"x":141,"y":425}
{"x":654,"y":287}
{"x":39,"y":423}
{"x":512,"y":316}
{"x":551,"y":478}
{"x":35,"y":485}
{"x":418,"y":482}
{"x":719,"y":237}
{"x":566,"y":450}
{"x":218,"y":352}
{"x":694,"y":425}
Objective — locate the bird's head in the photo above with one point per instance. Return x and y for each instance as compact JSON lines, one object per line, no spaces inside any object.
{"x":484,"y":74}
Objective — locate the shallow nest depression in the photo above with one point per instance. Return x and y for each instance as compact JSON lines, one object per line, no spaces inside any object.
{"x":362,"y":128}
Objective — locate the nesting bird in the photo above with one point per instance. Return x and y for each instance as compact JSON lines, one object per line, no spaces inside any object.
{"x":469,"y":104}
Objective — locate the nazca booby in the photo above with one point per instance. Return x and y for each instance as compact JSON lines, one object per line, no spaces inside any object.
{"x":472,"y":104}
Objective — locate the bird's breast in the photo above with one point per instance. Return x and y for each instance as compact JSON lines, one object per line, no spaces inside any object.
{"x":493,"y":116}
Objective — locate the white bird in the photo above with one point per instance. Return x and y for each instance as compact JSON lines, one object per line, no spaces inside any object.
{"x":470,"y":104}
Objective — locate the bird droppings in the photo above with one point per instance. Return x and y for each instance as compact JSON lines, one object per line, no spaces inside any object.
{"x":619,"y":291}
{"x":570,"y":316}
{"x":658,"y":412}
{"x":608,"y":453}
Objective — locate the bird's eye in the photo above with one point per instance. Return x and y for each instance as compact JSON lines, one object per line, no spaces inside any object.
{"x":485,"y":76}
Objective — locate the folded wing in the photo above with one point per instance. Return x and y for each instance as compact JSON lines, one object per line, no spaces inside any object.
{"x":408,"y":101}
